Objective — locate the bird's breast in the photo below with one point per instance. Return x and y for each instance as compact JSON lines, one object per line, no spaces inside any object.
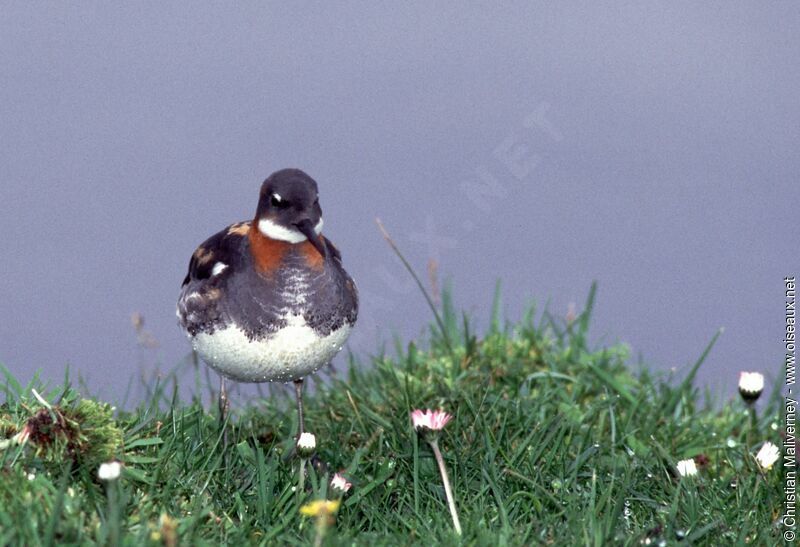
{"x":293,"y":351}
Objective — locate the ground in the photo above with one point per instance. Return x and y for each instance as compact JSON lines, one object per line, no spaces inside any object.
{"x":553,"y":442}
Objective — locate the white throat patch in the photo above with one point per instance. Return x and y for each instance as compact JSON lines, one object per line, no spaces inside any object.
{"x":281,"y":233}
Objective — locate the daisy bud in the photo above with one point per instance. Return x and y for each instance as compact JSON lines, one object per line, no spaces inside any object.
{"x":687,"y":468}
{"x":109,"y":471}
{"x":306,"y":445}
{"x":767,"y":456}
{"x":751,"y":384}
{"x":339,"y":484}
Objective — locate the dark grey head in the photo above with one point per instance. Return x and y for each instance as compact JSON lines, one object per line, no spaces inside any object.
{"x":288,"y":208}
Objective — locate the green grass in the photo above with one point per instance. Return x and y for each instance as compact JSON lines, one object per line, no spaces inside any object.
{"x":553,"y":442}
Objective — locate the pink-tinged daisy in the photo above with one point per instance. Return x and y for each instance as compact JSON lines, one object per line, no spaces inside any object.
{"x":687,"y":468}
{"x":340,"y":484}
{"x":768,"y":455}
{"x":433,"y":420}
{"x":429,"y":423}
{"x":751,"y":384}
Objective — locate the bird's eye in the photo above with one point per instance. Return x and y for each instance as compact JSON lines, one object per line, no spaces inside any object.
{"x":278,"y":201}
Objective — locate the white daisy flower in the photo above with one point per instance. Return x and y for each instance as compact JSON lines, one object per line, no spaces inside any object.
{"x":109,"y":471}
{"x":751,"y":384}
{"x":768,"y":455}
{"x":687,"y":468}
{"x":306,"y":444}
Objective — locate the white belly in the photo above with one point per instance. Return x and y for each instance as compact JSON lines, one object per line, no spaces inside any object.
{"x":293,"y":352}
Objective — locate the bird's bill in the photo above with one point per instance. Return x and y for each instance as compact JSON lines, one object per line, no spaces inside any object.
{"x":306,"y":227}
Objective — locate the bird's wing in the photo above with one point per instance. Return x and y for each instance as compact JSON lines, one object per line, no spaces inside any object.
{"x":217,"y":255}
{"x":212,"y":263}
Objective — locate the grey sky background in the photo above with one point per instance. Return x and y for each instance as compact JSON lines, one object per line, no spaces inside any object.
{"x":649,"y":146}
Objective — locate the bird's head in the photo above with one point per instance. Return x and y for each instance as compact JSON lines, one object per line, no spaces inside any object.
{"x":288,"y":209}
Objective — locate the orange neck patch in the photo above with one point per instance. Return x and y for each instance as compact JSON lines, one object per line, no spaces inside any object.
{"x":312,"y":256}
{"x":267,"y":252}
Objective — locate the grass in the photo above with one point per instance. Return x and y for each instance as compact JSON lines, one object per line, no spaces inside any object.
{"x":553,"y":442}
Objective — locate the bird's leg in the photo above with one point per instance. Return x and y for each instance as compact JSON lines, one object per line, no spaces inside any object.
{"x":224,"y":405}
{"x":298,"y":389}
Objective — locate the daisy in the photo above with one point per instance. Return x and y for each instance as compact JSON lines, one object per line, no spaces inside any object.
{"x":433,"y":420}
{"x":687,"y":468}
{"x":751,"y":384}
{"x":109,"y":471}
{"x":429,"y":423}
{"x":768,"y":455}
{"x":340,"y":484}
{"x":306,"y":444}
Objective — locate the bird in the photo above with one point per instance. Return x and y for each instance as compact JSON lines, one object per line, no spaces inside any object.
{"x":268,"y":300}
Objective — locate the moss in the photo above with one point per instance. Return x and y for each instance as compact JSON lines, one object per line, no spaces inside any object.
{"x":84,"y":432}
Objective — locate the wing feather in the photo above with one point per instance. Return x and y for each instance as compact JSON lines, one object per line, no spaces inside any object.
{"x":216,"y":259}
